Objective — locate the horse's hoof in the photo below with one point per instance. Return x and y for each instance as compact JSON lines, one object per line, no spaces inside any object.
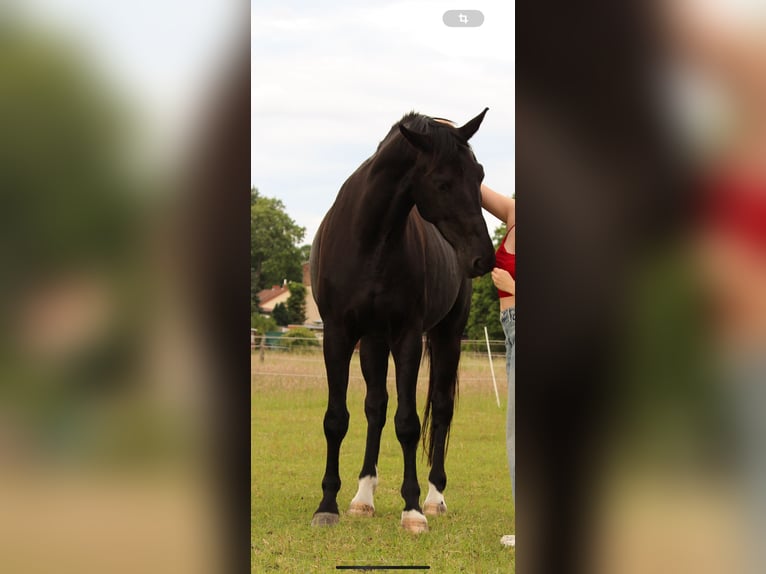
{"x":361,"y":509}
{"x":413,"y":521}
{"x":434,"y":504}
{"x":325,"y":519}
{"x":434,"y":508}
{"x":362,"y":504}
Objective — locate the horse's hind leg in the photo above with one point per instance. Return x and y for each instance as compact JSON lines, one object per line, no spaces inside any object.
{"x":338,"y":347}
{"x":374,"y":359}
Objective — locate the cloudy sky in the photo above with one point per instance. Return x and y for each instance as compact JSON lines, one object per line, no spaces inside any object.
{"x":329,"y":80}
{"x":163,"y":57}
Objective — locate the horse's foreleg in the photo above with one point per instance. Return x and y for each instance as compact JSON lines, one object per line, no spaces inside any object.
{"x":444,"y":348}
{"x":407,"y":352}
{"x":445,"y":355}
{"x":374,"y":360}
{"x":337,"y":353}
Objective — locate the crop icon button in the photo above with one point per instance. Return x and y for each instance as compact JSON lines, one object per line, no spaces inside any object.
{"x":463,"y":18}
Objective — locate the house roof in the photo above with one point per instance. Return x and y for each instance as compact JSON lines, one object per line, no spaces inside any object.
{"x":268,"y":294}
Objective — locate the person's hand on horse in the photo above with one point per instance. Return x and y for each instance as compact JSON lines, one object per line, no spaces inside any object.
{"x":503,"y":280}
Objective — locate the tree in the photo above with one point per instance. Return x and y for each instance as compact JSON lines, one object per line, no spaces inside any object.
{"x":299,"y":339}
{"x":280,"y":314}
{"x":274,"y":238}
{"x":262,"y":323}
{"x":485,"y":309}
{"x":305,"y":252}
{"x":296,"y":304}
{"x":70,"y":191}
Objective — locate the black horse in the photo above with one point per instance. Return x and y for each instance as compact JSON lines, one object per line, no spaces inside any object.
{"x":392,"y":260}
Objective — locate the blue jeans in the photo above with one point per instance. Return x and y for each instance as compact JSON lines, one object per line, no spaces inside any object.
{"x":508,"y":320}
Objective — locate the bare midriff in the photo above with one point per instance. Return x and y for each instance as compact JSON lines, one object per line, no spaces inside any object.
{"x":507,"y":302}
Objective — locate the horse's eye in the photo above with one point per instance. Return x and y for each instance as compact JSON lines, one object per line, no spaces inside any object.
{"x":443,"y":187}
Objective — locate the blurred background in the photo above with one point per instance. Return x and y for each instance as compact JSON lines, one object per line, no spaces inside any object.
{"x":641,"y":180}
{"x":118,"y":200}
{"x":124,"y":285}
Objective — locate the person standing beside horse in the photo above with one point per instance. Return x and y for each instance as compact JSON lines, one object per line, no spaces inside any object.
{"x":504,"y":278}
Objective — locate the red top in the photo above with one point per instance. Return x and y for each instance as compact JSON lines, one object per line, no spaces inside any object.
{"x":505,"y":260}
{"x":737,"y":207}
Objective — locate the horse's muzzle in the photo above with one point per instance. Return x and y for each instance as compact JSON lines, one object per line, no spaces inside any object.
{"x":481,"y":265}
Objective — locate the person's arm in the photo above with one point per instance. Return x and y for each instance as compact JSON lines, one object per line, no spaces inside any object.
{"x":501,"y":206}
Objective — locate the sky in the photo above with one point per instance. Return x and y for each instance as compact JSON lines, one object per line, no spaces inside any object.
{"x":162,"y":56}
{"x":329,"y":81}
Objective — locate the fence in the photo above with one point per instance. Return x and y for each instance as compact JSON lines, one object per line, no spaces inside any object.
{"x":277,"y":342}
{"x":290,"y":368}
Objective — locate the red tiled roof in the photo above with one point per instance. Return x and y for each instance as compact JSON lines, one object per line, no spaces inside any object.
{"x":268,"y":294}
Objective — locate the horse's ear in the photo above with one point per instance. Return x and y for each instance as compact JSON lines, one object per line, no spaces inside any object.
{"x":467,"y":131}
{"x":420,"y":141}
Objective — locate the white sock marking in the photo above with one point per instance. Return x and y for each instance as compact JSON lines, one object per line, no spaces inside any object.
{"x":434,"y":496}
{"x":366,"y":490}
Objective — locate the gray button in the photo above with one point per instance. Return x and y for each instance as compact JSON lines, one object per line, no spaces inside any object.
{"x":463,"y":18}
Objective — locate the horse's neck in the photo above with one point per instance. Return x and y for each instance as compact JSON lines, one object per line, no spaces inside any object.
{"x":382,"y":193}
{"x":387,"y":203}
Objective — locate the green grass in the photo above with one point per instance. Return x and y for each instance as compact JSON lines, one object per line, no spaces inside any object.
{"x":288,"y":456}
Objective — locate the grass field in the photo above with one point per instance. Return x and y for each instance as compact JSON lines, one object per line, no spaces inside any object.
{"x":288,"y":456}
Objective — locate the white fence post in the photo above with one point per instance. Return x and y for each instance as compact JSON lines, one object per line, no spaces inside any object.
{"x":491,"y":366}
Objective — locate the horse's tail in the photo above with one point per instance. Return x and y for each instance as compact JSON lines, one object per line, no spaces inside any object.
{"x":427,"y":429}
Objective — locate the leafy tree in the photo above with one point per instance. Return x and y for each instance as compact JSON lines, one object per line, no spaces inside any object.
{"x":280,"y":314}
{"x":296,"y":304}
{"x":485,"y":308}
{"x":69,"y":196}
{"x":263,"y":323}
{"x":300,"y":338}
{"x":274,"y":238}
{"x":305,"y":252}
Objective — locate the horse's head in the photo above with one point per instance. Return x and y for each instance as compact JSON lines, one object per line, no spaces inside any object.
{"x":446,"y":187}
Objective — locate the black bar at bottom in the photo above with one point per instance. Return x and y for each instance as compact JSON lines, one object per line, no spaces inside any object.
{"x":382,"y":567}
